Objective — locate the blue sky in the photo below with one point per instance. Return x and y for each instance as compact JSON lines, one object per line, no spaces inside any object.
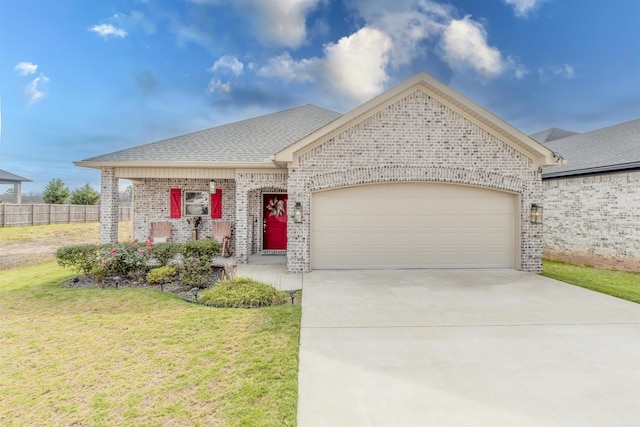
{"x":81,"y":78}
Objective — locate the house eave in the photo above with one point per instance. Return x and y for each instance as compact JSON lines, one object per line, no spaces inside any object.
{"x":174,"y":165}
{"x":626,"y":167}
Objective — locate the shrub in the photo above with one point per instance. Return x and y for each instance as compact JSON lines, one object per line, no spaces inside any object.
{"x":124,"y":258}
{"x":164,"y":252}
{"x":99,"y":272}
{"x":243,"y":293}
{"x":196,"y":272}
{"x":164,"y":273}
{"x":206,"y":249}
{"x":196,"y":266}
{"x":82,"y":258}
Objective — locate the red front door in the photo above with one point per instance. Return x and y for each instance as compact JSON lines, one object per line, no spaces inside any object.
{"x":274,"y":221}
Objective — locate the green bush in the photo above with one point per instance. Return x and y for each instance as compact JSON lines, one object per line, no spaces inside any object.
{"x":164,"y":252}
{"x":99,"y":272}
{"x":196,"y":264}
{"x":206,"y":249}
{"x":124,"y":258}
{"x":243,"y":293}
{"x":196,"y":272}
{"x":164,"y":273}
{"x":82,"y":258}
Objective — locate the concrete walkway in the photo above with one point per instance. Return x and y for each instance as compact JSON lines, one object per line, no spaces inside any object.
{"x":465,"y":348}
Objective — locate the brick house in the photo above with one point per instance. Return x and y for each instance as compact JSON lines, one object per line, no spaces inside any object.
{"x":591,"y":204}
{"x":418,"y":177}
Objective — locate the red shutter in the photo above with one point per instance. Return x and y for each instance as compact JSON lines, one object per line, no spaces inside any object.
{"x":176,"y":203}
{"x":216,"y":204}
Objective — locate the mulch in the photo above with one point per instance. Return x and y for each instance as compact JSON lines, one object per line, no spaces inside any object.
{"x":176,"y":287}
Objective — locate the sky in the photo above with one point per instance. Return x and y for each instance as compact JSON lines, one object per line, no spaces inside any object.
{"x":81,"y":78}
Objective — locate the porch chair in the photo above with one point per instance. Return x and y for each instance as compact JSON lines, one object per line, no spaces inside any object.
{"x":160,"y":232}
{"x":221,"y":231}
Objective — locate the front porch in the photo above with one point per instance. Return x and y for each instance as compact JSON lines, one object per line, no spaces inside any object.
{"x":254,"y":202}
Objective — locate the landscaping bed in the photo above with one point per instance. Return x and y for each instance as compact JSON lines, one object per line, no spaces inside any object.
{"x":183,"y":290}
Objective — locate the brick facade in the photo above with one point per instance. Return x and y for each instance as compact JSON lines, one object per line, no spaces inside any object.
{"x":249,"y":188}
{"x":109,"y":206}
{"x":593,"y":220}
{"x":151,"y":203}
{"x":414,"y":139}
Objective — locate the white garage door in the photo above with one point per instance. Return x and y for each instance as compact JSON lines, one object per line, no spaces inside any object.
{"x":413,"y":225}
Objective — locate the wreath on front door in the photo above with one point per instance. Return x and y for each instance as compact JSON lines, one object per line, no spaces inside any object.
{"x":275,"y":207}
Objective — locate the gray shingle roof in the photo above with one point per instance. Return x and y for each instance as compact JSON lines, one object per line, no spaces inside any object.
{"x":551,"y":134}
{"x":608,"y":149}
{"x":8,"y":177}
{"x":247,"y":141}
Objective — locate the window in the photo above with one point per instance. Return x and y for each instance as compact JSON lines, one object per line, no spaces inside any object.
{"x":196,"y":203}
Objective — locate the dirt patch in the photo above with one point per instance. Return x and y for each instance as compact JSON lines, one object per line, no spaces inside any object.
{"x":21,"y":246}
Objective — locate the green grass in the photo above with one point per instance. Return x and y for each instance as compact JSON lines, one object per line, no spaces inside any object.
{"x":102,"y":357}
{"x":621,"y":284}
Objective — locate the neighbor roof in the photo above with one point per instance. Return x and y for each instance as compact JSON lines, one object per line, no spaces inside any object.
{"x":614,"y":148}
{"x":9,"y":178}
{"x":551,"y":134}
{"x":247,"y":141}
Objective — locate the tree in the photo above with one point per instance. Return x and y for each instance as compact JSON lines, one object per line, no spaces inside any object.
{"x":84,"y":196}
{"x":55,"y":192}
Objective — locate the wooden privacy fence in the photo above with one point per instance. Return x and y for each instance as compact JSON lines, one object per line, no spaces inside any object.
{"x":37,"y":214}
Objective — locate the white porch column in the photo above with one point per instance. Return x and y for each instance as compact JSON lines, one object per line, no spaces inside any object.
{"x":109,"y":206}
{"x":243,"y":240}
{"x":17,"y":191}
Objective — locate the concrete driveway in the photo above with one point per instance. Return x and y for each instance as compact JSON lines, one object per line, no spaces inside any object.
{"x":465,"y":348}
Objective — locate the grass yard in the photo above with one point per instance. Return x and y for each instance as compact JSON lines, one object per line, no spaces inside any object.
{"x":621,"y":284}
{"x":104,"y":357}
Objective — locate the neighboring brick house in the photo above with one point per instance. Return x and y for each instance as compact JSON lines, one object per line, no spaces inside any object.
{"x":592,"y":203}
{"x":418,"y":177}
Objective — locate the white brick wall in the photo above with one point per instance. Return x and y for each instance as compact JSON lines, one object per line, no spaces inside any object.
{"x":109,"y":206}
{"x":249,"y":187}
{"x":151,"y":203}
{"x":414,"y":139}
{"x":593,"y":220}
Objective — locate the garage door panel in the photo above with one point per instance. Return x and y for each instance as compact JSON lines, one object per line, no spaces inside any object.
{"x":413,"y":225}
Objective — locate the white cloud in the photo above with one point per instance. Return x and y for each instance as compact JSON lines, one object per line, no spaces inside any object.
{"x":33,"y":90}
{"x":356,"y":65}
{"x":522,"y":8}
{"x":286,"y":68}
{"x":107,"y":30}
{"x":465,"y":47}
{"x":564,"y":71}
{"x":279,"y":22}
{"x":228,"y":62}
{"x":217,"y":86}
{"x":25,"y":68}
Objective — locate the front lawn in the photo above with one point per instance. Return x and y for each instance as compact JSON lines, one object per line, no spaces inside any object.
{"x":140,"y":357}
{"x":621,"y":284}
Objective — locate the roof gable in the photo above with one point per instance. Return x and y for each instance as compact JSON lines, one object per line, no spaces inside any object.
{"x":540,"y":155}
{"x":248,"y":141}
{"x":608,"y":149}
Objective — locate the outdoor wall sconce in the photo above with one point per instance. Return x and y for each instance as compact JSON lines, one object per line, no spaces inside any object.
{"x":212,"y":187}
{"x":297,"y":212}
{"x":536,"y":213}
